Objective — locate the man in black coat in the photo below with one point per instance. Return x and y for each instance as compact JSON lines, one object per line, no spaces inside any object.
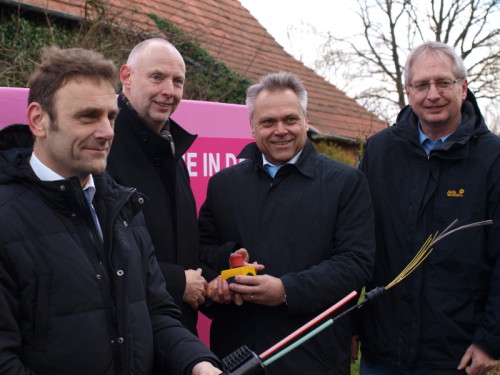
{"x":147,"y":154}
{"x":80,"y":289}
{"x":310,"y":224}
{"x":438,"y":163}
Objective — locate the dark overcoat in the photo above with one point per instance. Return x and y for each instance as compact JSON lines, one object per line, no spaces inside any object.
{"x":312,"y":227}
{"x":142,"y":159}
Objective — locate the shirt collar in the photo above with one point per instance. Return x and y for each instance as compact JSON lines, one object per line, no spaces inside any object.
{"x":44,"y":173}
{"x":422,"y":137}
{"x":291,"y":161}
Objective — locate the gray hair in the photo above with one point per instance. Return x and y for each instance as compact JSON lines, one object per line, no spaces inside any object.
{"x":274,"y":82}
{"x":438,"y":49}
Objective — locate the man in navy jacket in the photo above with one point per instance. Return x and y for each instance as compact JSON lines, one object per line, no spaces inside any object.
{"x":439,"y":162}
{"x":80,"y":289}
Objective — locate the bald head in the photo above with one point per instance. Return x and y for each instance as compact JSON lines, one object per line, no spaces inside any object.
{"x":146,"y":45}
{"x":153,"y":80}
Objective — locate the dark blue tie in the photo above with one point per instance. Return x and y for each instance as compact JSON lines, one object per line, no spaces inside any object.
{"x":272,"y":169}
{"x":86,"y":192}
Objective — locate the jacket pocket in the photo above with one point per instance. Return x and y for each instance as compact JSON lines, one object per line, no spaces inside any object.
{"x":42,"y":313}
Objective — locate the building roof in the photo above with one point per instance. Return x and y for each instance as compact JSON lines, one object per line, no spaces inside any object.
{"x":227,"y":30}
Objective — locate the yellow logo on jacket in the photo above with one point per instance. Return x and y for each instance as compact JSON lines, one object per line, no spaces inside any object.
{"x":456,"y":194}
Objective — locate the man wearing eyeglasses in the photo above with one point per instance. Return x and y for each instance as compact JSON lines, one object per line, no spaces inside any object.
{"x":439,"y":162}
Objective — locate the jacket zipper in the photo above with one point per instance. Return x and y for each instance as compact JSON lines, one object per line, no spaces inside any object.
{"x":108,"y":241}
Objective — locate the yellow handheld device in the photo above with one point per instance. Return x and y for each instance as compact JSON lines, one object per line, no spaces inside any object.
{"x":237,"y":268}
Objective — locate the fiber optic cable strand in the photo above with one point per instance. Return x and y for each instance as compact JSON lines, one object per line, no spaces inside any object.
{"x":308,"y":325}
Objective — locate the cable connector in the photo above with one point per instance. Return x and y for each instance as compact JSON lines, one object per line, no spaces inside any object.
{"x":375,"y":293}
{"x":243,"y":362}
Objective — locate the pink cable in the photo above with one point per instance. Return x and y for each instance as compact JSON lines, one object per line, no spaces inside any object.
{"x":309,"y":324}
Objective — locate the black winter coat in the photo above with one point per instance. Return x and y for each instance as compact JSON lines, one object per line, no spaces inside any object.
{"x":143,"y":159}
{"x":68,"y":303}
{"x":311,"y":226}
{"x":453,"y":299}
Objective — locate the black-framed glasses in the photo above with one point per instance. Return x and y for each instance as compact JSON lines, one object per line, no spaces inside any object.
{"x":441,"y":85}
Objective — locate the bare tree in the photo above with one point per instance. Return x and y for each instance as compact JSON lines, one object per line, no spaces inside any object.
{"x":374,"y":58}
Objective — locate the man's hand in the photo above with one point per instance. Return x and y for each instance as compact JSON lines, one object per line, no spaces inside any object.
{"x":244,"y":253}
{"x":476,"y":361}
{"x":246,"y":260}
{"x":196,"y":286}
{"x":262,"y":289}
{"x":205,"y":368}
{"x":218,"y":291}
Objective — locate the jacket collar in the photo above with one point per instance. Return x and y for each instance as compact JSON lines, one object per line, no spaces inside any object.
{"x":305,"y":163}
{"x":456,"y":145}
{"x":16,"y":145}
{"x":134,"y":124}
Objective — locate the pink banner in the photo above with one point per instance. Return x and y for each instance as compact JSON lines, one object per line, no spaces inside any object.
{"x":223,"y":130}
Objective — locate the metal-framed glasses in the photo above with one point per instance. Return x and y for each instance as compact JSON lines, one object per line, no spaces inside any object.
{"x":441,"y":85}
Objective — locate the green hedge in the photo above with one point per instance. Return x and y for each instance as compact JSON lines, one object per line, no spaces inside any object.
{"x":24,"y":34}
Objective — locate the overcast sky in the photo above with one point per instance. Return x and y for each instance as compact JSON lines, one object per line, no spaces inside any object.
{"x":290,"y":22}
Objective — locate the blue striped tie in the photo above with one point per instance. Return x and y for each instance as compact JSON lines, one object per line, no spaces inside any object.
{"x":86,"y":192}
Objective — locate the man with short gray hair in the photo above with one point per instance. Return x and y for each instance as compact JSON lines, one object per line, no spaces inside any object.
{"x":305,"y":217}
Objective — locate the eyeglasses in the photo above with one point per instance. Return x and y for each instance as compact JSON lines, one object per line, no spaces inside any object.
{"x":441,"y":85}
